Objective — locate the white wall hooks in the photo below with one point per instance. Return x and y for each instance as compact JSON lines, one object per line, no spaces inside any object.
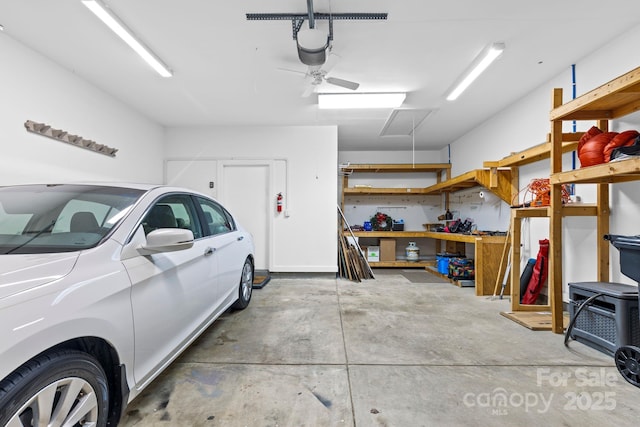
{"x":62,"y":136}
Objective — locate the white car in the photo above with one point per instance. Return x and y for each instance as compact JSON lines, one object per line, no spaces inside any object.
{"x":101,"y":288}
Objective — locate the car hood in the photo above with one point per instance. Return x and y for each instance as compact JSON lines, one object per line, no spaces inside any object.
{"x":19,"y":273}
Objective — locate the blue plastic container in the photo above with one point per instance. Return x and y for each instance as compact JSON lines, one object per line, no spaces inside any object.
{"x":443,"y":264}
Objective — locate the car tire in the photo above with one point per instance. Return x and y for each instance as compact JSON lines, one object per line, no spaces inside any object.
{"x":36,"y":393}
{"x":246,"y":286}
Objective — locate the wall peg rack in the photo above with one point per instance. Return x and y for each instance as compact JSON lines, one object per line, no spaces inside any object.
{"x":63,"y":136}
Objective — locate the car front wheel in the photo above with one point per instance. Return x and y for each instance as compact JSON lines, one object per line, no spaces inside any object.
{"x":246,"y":286}
{"x":64,"y":388}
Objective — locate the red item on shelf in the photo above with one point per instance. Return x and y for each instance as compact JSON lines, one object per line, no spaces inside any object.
{"x":623,"y":139}
{"x":588,"y":135}
{"x":592,"y":151}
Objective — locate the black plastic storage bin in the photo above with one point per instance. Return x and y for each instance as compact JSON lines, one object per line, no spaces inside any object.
{"x":629,"y":247}
{"x":611,"y":320}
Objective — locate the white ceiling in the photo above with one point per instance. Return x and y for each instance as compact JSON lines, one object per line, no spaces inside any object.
{"x":227,"y":70}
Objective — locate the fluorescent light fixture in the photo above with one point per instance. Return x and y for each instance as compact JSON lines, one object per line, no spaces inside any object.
{"x":482,"y":61}
{"x":360,"y":100}
{"x":117,"y":26}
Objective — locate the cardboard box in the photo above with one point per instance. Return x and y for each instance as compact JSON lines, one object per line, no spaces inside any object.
{"x":373,"y":253}
{"x":387,"y":249}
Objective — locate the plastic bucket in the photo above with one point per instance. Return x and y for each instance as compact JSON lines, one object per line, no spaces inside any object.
{"x":443,"y":264}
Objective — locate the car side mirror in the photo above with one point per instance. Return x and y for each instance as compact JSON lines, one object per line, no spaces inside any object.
{"x":166,"y":240}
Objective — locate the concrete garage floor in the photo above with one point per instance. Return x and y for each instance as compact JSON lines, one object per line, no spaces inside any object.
{"x":400,"y":350}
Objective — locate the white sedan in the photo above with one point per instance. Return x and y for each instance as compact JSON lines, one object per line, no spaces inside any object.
{"x":101,"y":288}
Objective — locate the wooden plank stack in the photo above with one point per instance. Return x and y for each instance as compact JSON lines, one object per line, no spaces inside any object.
{"x":352,"y":263}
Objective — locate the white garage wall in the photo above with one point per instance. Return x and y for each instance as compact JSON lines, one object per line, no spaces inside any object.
{"x":526,"y":123}
{"x":35,"y":88}
{"x":306,"y":241}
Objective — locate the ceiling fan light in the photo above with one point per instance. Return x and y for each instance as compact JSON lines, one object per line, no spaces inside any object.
{"x":360,"y":100}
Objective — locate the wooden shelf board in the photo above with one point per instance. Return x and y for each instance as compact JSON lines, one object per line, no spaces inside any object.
{"x":403,"y":264}
{"x":534,"y":320}
{"x":384,"y":191}
{"x":459,"y":182}
{"x":617,"y":98}
{"x":531,"y":212}
{"x":620,"y":171}
{"x":454,"y":237}
{"x":536,"y":153}
{"x":579,"y":209}
{"x":398,"y":167}
{"x":397,"y":234}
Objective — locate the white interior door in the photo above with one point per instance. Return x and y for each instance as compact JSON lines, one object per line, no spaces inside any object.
{"x":198,"y":175}
{"x":245,"y":192}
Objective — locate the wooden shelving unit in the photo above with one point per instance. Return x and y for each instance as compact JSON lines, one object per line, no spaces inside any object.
{"x":615,"y":99}
{"x":519,"y":312}
{"x":441,"y":170}
{"x":487,"y":249}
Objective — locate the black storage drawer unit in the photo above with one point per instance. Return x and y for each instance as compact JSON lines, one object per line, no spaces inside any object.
{"x":611,"y":320}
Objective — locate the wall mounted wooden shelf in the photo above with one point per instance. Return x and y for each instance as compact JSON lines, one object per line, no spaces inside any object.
{"x":382,"y":191}
{"x":536,"y":153}
{"x":396,"y":167}
{"x":496,"y":180}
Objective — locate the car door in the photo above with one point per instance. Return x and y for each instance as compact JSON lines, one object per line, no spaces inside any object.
{"x":230,"y":252}
{"x":173,"y":293}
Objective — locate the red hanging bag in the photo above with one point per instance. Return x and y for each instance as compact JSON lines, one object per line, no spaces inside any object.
{"x":539,"y":276}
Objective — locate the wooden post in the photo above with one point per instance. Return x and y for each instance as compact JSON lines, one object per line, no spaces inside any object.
{"x":516,"y":232}
{"x":555,"y":223}
{"x":602,"y":229}
{"x":602,"y":203}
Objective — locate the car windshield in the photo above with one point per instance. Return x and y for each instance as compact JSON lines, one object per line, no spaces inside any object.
{"x":60,"y":218}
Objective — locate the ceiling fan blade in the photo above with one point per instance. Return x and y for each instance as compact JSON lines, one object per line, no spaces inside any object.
{"x":308,"y":91}
{"x":342,"y":83}
{"x":293,"y":71}
{"x":332,"y":61}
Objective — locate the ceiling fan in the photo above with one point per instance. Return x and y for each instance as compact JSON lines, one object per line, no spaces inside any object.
{"x":316,"y":76}
{"x":314,"y":44}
